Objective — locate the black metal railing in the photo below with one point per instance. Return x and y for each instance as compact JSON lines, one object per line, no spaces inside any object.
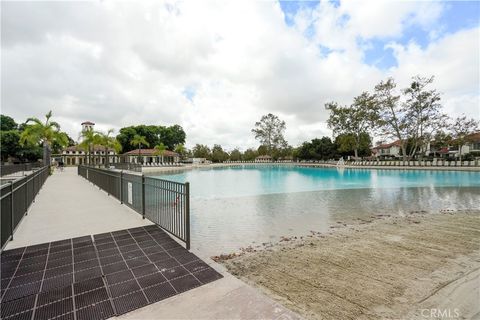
{"x":165,"y":203}
{"x":9,"y":169}
{"x":16,"y":198}
{"x":127,"y":166}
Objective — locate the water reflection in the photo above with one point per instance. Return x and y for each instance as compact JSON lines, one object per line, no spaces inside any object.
{"x":252,"y":181}
{"x":232,"y":207}
{"x":225,"y":224}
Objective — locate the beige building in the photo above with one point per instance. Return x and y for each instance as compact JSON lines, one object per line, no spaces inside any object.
{"x":74,"y":155}
{"x":264,"y":158}
{"x":387,"y":150}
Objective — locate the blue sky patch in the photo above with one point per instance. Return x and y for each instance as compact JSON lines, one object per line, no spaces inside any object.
{"x":377,"y":55}
{"x":457,"y":15}
{"x":189,"y":93}
{"x":290,"y":8}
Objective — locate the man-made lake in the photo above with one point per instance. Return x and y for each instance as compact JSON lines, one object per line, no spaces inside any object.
{"x":238,"y":206}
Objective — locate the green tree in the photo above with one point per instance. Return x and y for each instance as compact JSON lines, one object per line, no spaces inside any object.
{"x":7,"y":123}
{"x":9,"y":144}
{"x":154,"y":135}
{"x":354,"y":120}
{"x":235,"y":155}
{"x":181,"y":150}
{"x":270,"y":132}
{"x":124,"y":137}
{"x":250,"y":155}
{"x":423,"y":110}
{"x":160,"y":150}
{"x":461,"y":128}
{"x":172,"y":136}
{"x":57,"y":148}
{"x":392,"y":120}
{"x":201,"y":151}
{"x":218,"y":155}
{"x":283,"y":153}
{"x":139,"y":141}
{"x":45,"y":133}
{"x":318,"y":149}
{"x":441,"y":139}
{"x":30,"y":153}
{"x":109,"y":142}
{"x":412,"y":122}
{"x":89,"y":138}
{"x":262,"y":150}
{"x":347,"y":142}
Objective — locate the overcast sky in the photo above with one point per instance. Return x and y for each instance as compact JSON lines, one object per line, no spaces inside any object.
{"x":216,"y":67}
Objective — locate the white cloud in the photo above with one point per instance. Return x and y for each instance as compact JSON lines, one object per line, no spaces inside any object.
{"x":125,"y":63}
{"x":454,"y":61}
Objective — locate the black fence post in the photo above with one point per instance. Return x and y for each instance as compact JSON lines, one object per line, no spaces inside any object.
{"x":143,"y":196}
{"x":26,"y":191}
{"x":12,"y":227}
{"x":121,"y":187}
{"x":187,"y":215}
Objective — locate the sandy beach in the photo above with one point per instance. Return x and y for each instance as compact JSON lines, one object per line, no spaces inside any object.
{"x":419,"y":266}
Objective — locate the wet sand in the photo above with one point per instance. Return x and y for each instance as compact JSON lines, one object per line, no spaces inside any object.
{"x":416,"y":266}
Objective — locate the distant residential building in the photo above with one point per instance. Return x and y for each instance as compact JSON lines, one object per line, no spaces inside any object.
{"x":472,"y":145}
{"x":87,"y":125}
{"x":74,"y":155}
{"x":393,"y":150}
{"x":387,"y":150}
{"x":150,"y":156}
{"x":263,"y":158}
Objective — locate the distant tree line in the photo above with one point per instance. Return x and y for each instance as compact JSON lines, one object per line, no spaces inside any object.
{"x":412,"y":116}
{"x":27,"y":142}
{"x":170,"y":137}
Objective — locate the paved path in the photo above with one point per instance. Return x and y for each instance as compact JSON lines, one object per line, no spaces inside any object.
{"x":69,"y":206}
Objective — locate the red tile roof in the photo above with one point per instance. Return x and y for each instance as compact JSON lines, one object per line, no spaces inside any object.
{"x":388,"y":145}
{"x":474,"y":137}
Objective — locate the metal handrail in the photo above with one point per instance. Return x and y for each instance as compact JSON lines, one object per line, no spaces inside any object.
{"x":15,"y":200}
{"x":164,"y":202}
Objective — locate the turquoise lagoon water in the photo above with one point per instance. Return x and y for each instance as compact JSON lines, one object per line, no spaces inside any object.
{"x":237,"y":206}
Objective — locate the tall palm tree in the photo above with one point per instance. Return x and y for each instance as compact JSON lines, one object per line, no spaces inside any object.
{"x":46,"y":133}
{"x":160,"y":150}
{"x":180,"y":149}
{"x":89,"y":138}
{"x":138,"y":141}
{"x":109,"y":142}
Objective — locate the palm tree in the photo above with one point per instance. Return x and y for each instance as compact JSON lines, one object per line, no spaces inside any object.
{"x":180,"y":149}
{"x":90,"y":138}
{"x":109,"y":142}
{"x":160,"y":150}
{"x":46,"y":133}
{"x":138,"y":141}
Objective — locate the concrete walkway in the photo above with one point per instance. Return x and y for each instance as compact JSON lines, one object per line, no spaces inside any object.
{"x":69,"y":206}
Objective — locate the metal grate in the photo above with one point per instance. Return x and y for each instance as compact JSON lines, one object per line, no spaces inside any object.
{"x":99,"y":311}
{"x":110,"y":275}
{"x":130,"y":302}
